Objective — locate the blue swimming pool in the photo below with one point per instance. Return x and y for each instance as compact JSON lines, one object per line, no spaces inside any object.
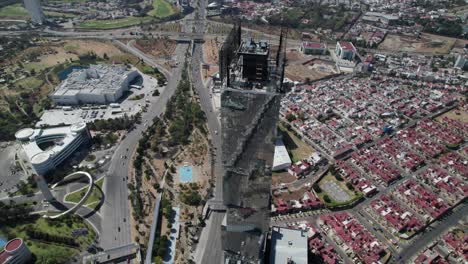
{"x":185,"y":174}
{"x":2,"y":243}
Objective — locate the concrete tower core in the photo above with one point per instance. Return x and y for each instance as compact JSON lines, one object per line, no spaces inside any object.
{"x":251,"y":93}
{"x":35,"y":10}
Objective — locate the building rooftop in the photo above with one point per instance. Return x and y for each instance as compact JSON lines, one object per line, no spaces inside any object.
{"x":62,"y":136}
{"x":313,"y":45}
{"x":251,"y":47}
{"x":97,"y":79}
{"x":288,"y":246}
{"x":281,"y":154}
{"x":346,"y":45}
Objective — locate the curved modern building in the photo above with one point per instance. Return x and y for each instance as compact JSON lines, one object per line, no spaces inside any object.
{"x":47,"y":148}
{"x":15,"y":252}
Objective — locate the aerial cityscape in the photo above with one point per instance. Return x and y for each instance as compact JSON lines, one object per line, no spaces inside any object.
{"x":233,"y":132}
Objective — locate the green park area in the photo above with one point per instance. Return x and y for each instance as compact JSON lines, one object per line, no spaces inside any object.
{"x":297,"y":148}
{"x":161,"y":8}
{"x":114,"y":23}
{"x":93,"y":199}
{"x":51,"y":241}
{"x":335,"y":192}
{"x":14,"y":11}
{"x":69,"y":1}
{"x":17,"y":11}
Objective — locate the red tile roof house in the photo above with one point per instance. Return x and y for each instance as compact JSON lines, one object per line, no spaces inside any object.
{"x":459,"y":245}
{"x":345,"y":229}
{"x":300,"y":168}
{"x":391,"y":214}
{"x":281,"y":206}
{"x":310,"y":201}
{"x":313,"y":48}
{"x":424,"y":202}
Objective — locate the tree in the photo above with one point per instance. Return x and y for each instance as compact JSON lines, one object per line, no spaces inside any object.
{"x":317,"y":188}
{"x":338,"y":177}
{"x":350,"y":186}
{"x":326,"y":198}
{"x":290,"y":117}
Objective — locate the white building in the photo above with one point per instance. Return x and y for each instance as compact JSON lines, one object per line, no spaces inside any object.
{"x":35,"y":10}
{"x":288,"y":246}
{"x":281,"y":160}
{"x":345,"y":50}
{"x":98,"y":84}
{"x":15,"y":252}
{"x":47,"y":148}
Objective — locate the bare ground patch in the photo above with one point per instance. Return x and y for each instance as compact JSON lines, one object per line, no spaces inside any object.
{"x":426,"y":43}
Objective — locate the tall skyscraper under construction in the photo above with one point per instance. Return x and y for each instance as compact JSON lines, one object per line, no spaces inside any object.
{"x":252,"y":87}
{"x":35,"y":10}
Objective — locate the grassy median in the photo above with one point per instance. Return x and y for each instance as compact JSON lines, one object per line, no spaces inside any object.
{"x":94,"y":198}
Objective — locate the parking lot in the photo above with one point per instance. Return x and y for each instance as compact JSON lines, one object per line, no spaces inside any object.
{"x":89,"y":113}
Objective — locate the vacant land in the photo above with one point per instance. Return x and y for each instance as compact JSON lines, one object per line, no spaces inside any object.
{"x":460,"y":45}
{"x":282,"y":177}
{"x":161,"y":8}
{"x":312,"y":70}
{"x":289,"y":195}
{"x":298,"y":149}
{"x":427,"y":43}
{"x":456,"y":114}
{"x":59,"y":53}
{"x":211,"y":50}
{"x":210,"y":56}
{"x":158,"y":47}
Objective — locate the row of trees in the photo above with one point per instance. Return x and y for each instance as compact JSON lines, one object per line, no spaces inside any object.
{"x":120,"y":123}
{"x":183,"y":112}
{"x":12,"y":213}
{"x":39,"y":235}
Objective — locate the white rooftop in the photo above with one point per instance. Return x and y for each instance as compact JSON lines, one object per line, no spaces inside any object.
{"x":62,"y":136}
{"x":97,"y":79}
{"x":281,"y":157}
{"x":288,"y":245}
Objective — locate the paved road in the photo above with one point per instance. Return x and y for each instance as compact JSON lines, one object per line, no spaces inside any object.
{"x":116,"y":212}
{"x":433,"y":232}
{"x":209,"y":249}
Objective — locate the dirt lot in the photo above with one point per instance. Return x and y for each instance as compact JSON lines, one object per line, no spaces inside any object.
{"x":158,"y":48}
{"x":59,"y":52}
{"x":287,"y":196}
{"x":427,"y":43}
{"x":456,"y":114}
{"x":298,"y":72}
{"x":460,"y":45}
{"x":302,"y":66}
{"x":211,"y":50}
{"x":282,"y":177}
